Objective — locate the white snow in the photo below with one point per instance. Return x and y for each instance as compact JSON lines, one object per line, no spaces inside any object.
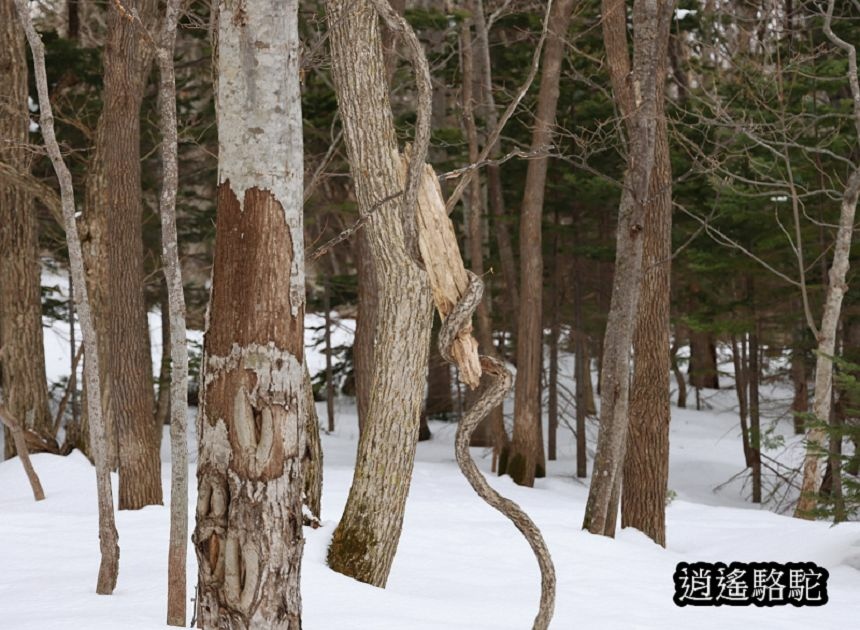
{"x":460,"y":564}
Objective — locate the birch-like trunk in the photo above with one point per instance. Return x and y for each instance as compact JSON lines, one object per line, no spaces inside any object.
{"x":251,"y":422}
{"x":108,"y":537}
{"x":816,"y":437}
{"x":366,"y":538}
{"x":177,"y":551}
{"x":636,"y":88}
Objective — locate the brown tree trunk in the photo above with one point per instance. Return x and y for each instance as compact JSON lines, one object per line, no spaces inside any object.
{"x":251,"y":425}
{"x":581,"y":367}
{"x":755,"y":416}
{"x":329,"y":375}
{"x":365,"y":326}
{"x":22,"y":377}
{"x":491,"y":431}
{"x":486,"y":109}
{"x":739,"y":357}
{"x":800,"y":402}
{"x":646,"y":465}
{"x":115,"y":261}
{"x":439,"y":403}
{"x":365,"y":541}
{"x":526,"y":459}
{"x":679,"y":376}
{"x":703,"y":360}
{"x":637,"y":100}
{"x":17,"y":432}
{"x":312,"y":457}
{"x":162,"y":401}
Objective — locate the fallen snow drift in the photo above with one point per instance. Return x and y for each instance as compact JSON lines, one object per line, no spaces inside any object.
{"x":459,"y":565}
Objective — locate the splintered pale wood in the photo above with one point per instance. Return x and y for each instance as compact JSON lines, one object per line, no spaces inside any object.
{"x":437,"y":243}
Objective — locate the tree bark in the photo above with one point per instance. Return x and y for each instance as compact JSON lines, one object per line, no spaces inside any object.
{"x":108,"y":538}
{"x":703,"y":361}
{"x":800,"y":401}
{"x":491,"y":431}
{"x":526,"y":459}
{"x":312,"y":458}
{"x":22,"y":377}
{"x":495,"y":197}
{"x":739,"y":357}
{"x":365,"y":541}
{"x":679,"y":376}
{"x":646,"y":465}
{"x":115,"y":260}
{"x":836,"y":288}
{"x":162,"y":400}
{"x":755,"y":416}
{"x":174,"y":341}
{"x":251,"y":427}
{"x":14,"y":426}
{"x":637,"y":100}
{"x":329,"y":377}
{"x":368,"y":290}
{"x":581,"y":367}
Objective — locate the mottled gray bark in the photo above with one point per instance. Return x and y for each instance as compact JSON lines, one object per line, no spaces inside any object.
{"x":836,"y":288}
{"x":366,"y":538}
{"x":251,"y":425}
{"x":177,"y":346}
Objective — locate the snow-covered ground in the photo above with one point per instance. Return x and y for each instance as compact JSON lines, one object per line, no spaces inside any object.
{"x":460,"y":564}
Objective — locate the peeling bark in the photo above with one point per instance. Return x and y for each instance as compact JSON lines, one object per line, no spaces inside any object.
{"x":251,"y":425}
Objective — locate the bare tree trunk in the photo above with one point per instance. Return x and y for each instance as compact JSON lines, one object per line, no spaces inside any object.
{"x":739,"y":357}
{"x":14,"y":426}
{"x":251,"y":425}
{"x":679,"y":376}
{"x":703,"y":361}
{"x":175,"y":341}
{"x":486,"y":108}
{"x":368,"y":290}
{"x":755,"y":416}
{"x":312,"y":458}
{"x":115,"y":259}
{"x":329,"y":376}
{"x":552,"y":403}
{"x":800,"y":402}
{"x":638,"y":102}
{"x":108,"y":538}
{"x":365,"y":326}
{"x":365,"y":541}
{"x":646,"y":465}
{"x":162,"y":401}
{"x":491,"y":431}
{"x":526,"y":460}
{"x":23,"y":375}
{"x":439,"y":401}
{"x":836,"y":289}
{"x":581,"y":367}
